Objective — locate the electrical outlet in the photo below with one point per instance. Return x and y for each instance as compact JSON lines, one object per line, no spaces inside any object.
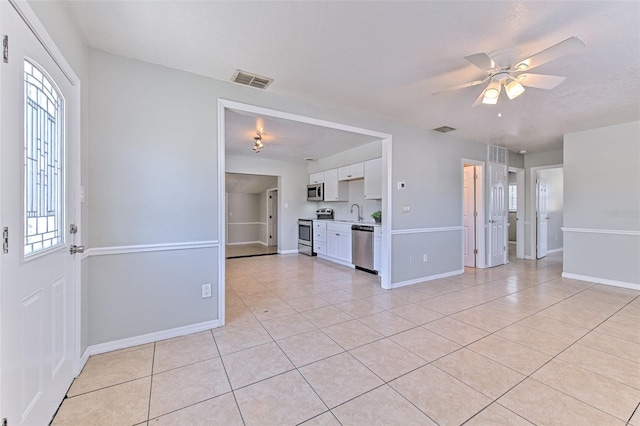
{"x":425,"y":257}
{"x":206,"y":290}
{"x":406,"y":208}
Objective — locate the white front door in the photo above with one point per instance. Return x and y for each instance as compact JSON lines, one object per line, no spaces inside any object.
{"x":541,"y":217}
{"x":38,"y":306}
{"x":469,"y":216}
{"x":497,"y":214}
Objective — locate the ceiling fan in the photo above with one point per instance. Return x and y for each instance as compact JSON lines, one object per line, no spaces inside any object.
{"x":503,"y":69}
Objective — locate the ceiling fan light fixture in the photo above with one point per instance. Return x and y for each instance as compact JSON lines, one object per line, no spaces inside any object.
{"x":491,"y":93}
{"x":514,"y":89}
{"x":257,"y":145}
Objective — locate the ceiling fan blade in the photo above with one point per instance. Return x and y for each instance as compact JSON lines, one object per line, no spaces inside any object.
{"x":570,"y":45}
{"x":461,"y":86}
{"x":482,"y":61}
{"x":540,"y":81}
{"x":479,"y":99}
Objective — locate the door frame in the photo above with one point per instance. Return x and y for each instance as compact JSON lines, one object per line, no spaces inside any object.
{"x":387,"y":140}
{"x":73,"y":175}
{"x":269,"y":224}
{"x":532,"y":209}
{"x":480,"y":208}
{"x":520,"y":211}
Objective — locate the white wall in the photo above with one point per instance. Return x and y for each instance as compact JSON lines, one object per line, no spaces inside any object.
{"x":602,"y":204}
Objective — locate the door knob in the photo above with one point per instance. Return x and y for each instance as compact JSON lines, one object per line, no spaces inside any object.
{"x":76,"y":249}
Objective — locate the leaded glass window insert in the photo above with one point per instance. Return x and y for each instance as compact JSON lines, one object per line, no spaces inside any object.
{"x":43,"y":162}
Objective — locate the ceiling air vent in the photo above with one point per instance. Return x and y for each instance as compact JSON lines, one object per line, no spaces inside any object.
{"x":253,"y":80}
{"x":444,"y":129}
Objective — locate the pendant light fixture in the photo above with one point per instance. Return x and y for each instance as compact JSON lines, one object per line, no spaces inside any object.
{"x":257,"y":145}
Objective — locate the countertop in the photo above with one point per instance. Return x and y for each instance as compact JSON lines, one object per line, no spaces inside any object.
{"x":351,"y":222}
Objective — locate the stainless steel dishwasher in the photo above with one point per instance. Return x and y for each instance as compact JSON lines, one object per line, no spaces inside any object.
{"x":362,"y":247}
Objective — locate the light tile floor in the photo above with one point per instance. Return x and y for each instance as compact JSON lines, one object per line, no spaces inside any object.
{"x":246,"y":250}
{"x":308,"y":341}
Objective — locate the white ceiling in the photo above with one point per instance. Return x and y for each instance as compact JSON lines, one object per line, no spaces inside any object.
{"x":249,"y":184}
{"x":386,"y":58}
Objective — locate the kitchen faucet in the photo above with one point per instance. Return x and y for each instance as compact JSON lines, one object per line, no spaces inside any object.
{"x":359,"y":217}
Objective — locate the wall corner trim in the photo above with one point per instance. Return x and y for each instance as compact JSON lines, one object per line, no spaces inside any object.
{"x":604,"y":281}
{"x":149,"y":338}
{"x":427,"y":278}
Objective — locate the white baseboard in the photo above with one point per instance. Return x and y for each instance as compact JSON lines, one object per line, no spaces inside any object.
{"x":427,"y":278}
{"x":287,"y":251}
{"x":528,"y":257}
{"x":334,"y":260}
{"x":598,"y":280}
{"x":555,"y":250}
{"x":148,"y":338}
{"x":246,"y":242}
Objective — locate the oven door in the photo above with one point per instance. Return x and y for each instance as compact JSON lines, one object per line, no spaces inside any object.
{"x":305,"y":237}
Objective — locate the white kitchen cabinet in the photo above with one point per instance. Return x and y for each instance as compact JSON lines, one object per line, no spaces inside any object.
{"x":373,"y":179}
{"x":339,"y":241}
{"x":377,"y":248}
{"x":316,"y":178}
{"x":320,"y":237}
{"x":351,"y":172}
{"x":335,"y":190}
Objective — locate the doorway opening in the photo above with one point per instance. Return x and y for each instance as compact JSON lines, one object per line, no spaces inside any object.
{"x":549,"y":193}
{"x":516,"y":212}
{"x":473,"y":239}
{"x":251,"y":215}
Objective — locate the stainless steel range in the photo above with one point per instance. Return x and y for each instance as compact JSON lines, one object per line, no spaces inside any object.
{"x":305,"y":231}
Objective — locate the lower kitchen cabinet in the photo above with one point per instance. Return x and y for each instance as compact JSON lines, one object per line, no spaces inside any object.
{"x":339,"y":241}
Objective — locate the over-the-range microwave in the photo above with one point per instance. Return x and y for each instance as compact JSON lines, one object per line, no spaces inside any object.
{"x":315,"y":192}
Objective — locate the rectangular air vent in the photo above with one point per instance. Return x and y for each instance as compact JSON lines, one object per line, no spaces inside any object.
{"x":253,"y":80}
{"x":444,"y":129}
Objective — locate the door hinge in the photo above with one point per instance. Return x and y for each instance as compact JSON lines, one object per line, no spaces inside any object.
{"x":475,"y":251}
{"x":5,"y":240}
{"x":475,"y":214}
{"x":73,"y":228}
{"x":5,"y":49}
{"x":4,"y":421}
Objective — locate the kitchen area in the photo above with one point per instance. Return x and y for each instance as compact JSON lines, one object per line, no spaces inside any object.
{"x":347,"y":226}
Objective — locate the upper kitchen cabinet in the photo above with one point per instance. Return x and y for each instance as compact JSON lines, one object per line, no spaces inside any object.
{"x":316,"y":178}
{"x":351,"y":172}
{"x":335,"y":190}
{"x":373,"y":179}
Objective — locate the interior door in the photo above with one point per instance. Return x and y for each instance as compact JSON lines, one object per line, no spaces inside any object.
{"x":37,"y":315}
{"x":497,"y":214}
{"x":273,"y":218}
{"x":541,"y":217}
{"x":469,"y":216}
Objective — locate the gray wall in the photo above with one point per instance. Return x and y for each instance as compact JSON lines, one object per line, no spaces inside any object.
{"x":602,"y":197}
{"x":244,"y":216}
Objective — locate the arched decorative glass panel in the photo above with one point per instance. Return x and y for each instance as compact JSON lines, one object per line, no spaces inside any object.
{"x":43,"y":162}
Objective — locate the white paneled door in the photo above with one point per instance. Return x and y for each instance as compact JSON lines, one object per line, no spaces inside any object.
{"x":497,"y":214}
{"x":38,"y":303}
{"x":541,"y":218}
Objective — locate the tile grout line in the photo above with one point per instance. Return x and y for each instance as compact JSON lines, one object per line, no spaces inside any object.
{"x":153,"y":361}
{"x":228,"y":380}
